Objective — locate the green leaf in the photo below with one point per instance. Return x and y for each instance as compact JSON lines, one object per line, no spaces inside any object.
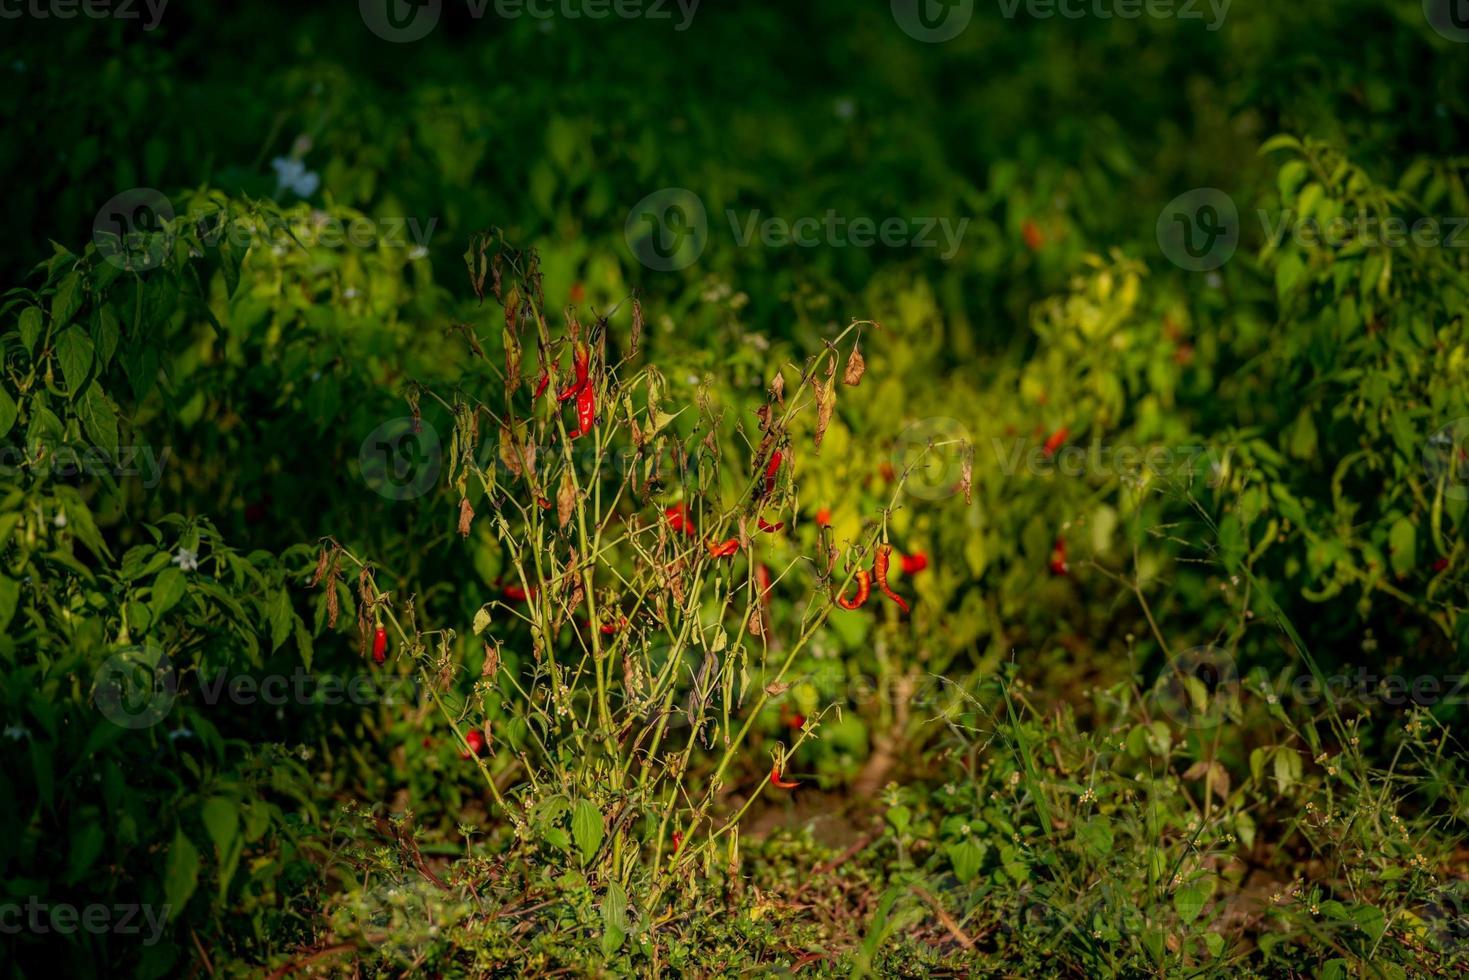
{"x":84,"y":846}
{"x":1096,"y":834}
{"x":220,"y":821}
{"x":966,"y":856}
{"x":181,"y":874}
{"x":9,"y":597}
{"x":67,"y":300}
{"x":586,"y":828}
{"x":168,"y":588}
{"x":8,"y":412}
{"x":75,"y":352}
{"x":100,"y":420}
{"x":30,"y":327}
{"x":1402,"y":542}
{"x":278,"y":612}
{"x":1189,"y":899}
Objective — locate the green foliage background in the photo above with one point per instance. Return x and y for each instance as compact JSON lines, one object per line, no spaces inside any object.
{"x":1313,"y":375}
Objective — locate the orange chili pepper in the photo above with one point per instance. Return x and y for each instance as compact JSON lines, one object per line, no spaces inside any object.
{"x":724,"y":548}
{"x":823,"y":518}
{"x":880,"y":572}
{"x":775,"y":779}
{"x":914,"y":563}
{"x":1055,"y":442}
{"x":864,"y":589}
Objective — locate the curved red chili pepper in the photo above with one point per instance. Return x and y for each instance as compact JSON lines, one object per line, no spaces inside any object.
{"x":775,"y":779}
{"x":724,"y":548}
{"x":880,"y":572}
{"x":586,"y":411}
{"x":542,"y":383}
{"x":379,"y":645}
{"x":1054,"y":443}
{"x":678,"y":519}
{"x":768,"y":527}
{"x":771,"y":470}
{"x":677,"y":841}
{"x":864,"y":589}
{"x":581,"y":359}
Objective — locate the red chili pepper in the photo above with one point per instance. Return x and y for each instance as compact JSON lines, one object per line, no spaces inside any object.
{"x":545,"y":504}
{"x":762,"y":580}
{"x":1441,"y":564}
{"x":379,"y":645}
{"x":476,"y":740}
{"x":586,"y":411}
{"x":880,"y":572}
{"x":677,"y":841}
{"x":1031,"y":232}
{"x":914,"y":563}
{"x":678,"y":519}
{"x":1055,"y":442}
{"x":768,"y":527}
{"x":724,"y":548}
{"x":581,"y":359}
{"x":610,"y":628}
{"x":864,"y":589}
{"x":887,"y":472}
{"x":775,"y":779}
{"x":797,"y":721}
{"x":542,"y":383}
{"x":771,"y":470}
{"x":1058,"y":558}
{"x":516,"y":594}
{"x":823,"y":518}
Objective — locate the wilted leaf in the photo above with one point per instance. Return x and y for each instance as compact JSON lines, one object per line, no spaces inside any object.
{"x":856,"y":367}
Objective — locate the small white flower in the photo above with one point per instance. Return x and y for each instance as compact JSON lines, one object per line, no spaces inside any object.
{"x":17,"y":732}
{"x":350,"y":293}
{"x":60,"y":519}
{"x":291,"y":175}
{"x":186,"y":559}
{"x":417,"y":252}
